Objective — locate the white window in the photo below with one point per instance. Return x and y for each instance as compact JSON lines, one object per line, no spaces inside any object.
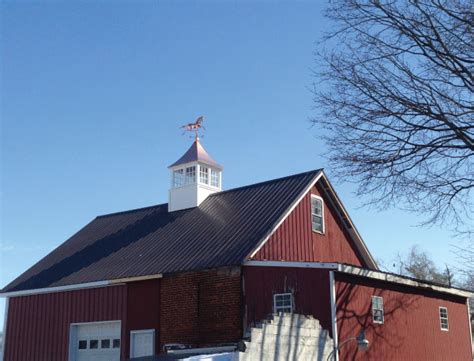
{"x":377,"y":309}
{"x":443,"y":318}
{"x":214,"y":178}
{"x":191,"y":175}
{"x":204,"y":175}
{"x":178,"y":178}
{"x":283,"y":303}
{"x":317,"y":214}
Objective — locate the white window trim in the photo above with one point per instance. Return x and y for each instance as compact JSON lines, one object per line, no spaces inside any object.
{"x":322,"y":214}
{"x":151,"y":330}
{"x":383,"y":311}
{"x":275,"y":295}
{"x":447,"y":318}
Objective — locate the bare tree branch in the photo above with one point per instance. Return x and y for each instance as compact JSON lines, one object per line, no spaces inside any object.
{"x":395,"y":93}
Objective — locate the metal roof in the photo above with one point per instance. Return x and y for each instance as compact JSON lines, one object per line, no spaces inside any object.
{"x":196,"y":153}
{"x":222,"y":231}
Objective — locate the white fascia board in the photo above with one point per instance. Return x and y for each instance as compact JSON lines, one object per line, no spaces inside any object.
{"x":285,"y":215}
{"x":355,"y":235}
{"x":38,"y":291}
{"x":387,"y":277}
{"x":79,"y":286}
{"x":289,"y":264}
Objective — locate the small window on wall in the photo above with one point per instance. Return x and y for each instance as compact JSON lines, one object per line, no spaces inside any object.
{"x":190,"y":175}
{"x":178,"y":178}
{"x":214,"y":178}
{"x":204,"y":175}
{"x":377,"y":309}
{"x":317,"y":214}
{"x":443,"y":318}
{"x":283,"y":303}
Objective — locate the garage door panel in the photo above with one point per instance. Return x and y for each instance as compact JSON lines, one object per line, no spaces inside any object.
{"x":98,"y":341}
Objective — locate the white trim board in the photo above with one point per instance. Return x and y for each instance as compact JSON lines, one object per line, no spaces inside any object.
{"x":285,"y":215}
{"x":336,"y":203}
{"x":78,"y":286}
{"x":363,"y":272}
{"x":317,"y":265}
{"x":392,"y":278}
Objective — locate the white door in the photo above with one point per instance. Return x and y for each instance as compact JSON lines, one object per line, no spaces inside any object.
{"x":95,"y":341}
{"x":142,"y":343}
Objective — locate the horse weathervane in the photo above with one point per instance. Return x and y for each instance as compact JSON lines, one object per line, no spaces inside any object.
{"x":194,"y":127}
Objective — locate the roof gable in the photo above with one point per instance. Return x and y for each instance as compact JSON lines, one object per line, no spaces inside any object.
{"x":222,"y":231}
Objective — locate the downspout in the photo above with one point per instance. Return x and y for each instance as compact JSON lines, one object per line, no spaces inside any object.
{"x":332,"y":293}
{"x":4,"y":334}
{"x":470,"y":325}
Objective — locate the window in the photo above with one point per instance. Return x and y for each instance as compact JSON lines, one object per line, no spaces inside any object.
{"x":443,"y":318}
{"x":82,"y":345}
{"x":116,"y":343}
{"x":93,"y":344}
{"x":283,"y":303}
{"x":190,"y":175}
{"x":105,"y":343}
{"x":377,"y":309}
{"x":178,"y":178}
{"x":214,"y":178}
{"x":204,"y":175}
{"x":317,"y":214}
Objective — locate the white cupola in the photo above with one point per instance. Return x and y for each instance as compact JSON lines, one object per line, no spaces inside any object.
{"x":194,"y":176}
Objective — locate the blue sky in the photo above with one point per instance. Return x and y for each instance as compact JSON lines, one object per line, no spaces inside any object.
{"x":93,"y":94}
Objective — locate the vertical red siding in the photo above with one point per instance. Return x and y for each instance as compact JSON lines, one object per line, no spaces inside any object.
{"x":143,"y":311}
{"x":411,"y":330}
{"x":38,"y":325}
{"x":294,"y":240}
{"x":310,"y":288}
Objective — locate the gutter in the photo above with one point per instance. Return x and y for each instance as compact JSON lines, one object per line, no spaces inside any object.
{"x":78,"y":286}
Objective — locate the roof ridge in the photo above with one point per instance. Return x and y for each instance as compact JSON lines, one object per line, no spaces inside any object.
{"x":315,"y":171}
{"x":131,"y":210}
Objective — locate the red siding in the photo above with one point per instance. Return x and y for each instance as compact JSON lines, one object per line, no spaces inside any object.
{"x":143,"y":311}
{"x":38,"y":325}
{"x":294,"y":240}
{"x":411,"y":330}
{"x":201,"y":308}
{"x":310,"y":288}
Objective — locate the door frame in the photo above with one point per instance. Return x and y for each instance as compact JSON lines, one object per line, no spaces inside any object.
{"x":149,"y":330}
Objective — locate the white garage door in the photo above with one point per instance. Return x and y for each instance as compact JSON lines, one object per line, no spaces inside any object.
{"x":98,"y":341}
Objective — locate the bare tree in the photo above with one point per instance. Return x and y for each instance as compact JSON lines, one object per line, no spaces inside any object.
{"x":419,"y":265}
{"x":395,"y":93}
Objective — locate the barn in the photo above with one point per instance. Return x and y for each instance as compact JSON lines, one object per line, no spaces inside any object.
{"x":203,"y":272}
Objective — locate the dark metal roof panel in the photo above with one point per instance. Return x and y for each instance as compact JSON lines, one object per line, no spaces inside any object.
{"x":222,"y":231}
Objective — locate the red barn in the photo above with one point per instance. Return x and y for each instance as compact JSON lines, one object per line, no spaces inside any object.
{"x":209,"y":265}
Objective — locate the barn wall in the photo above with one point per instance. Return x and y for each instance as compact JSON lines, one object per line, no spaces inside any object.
{"x":294,"y":240}
{"x":38,"y":325}
{"x":310,"y":289}
{"x":411,"y":330}
{"x":143,"y":312}
{"x":201,"y":308}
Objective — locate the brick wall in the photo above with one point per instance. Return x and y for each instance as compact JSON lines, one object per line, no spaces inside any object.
{"x":201,"y":308}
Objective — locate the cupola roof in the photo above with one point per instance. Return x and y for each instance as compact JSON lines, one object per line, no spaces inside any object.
{"x":196,"y":153}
